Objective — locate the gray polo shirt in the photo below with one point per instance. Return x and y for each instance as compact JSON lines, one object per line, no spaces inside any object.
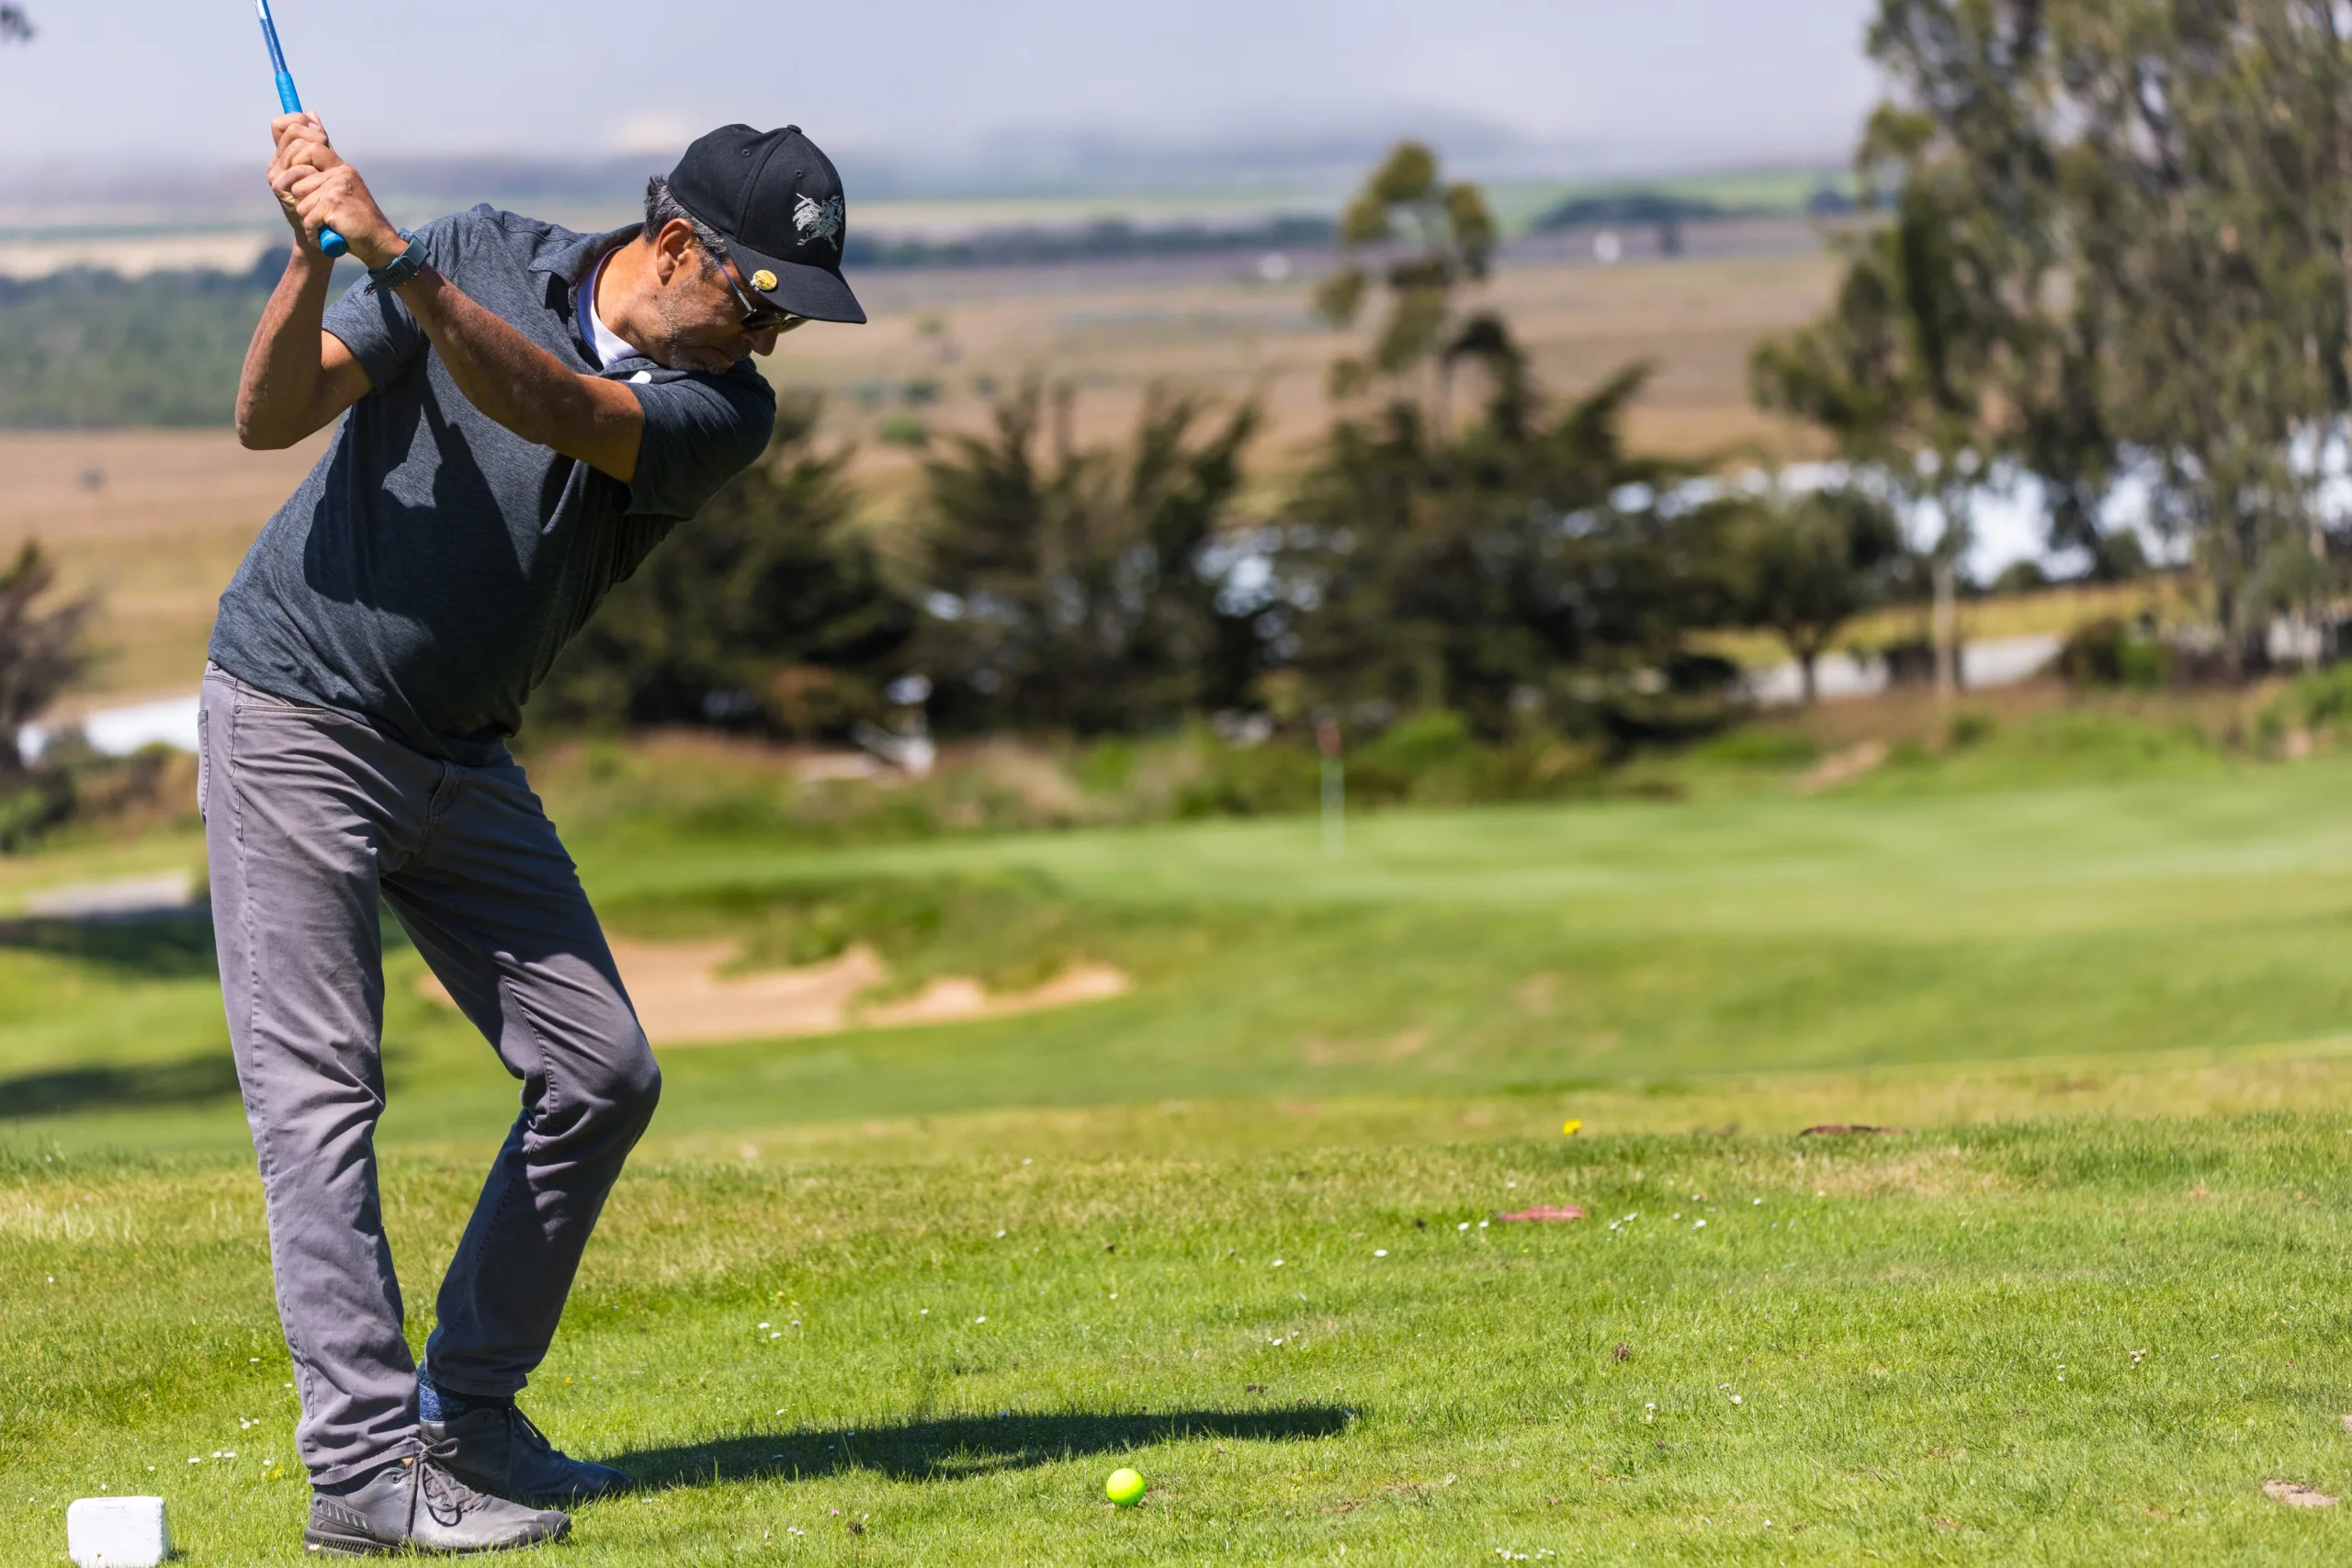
{"x":430,"y":569}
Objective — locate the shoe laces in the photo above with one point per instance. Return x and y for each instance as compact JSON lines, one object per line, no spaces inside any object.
{"x":446,"y":1497}
{"x":523,"y":1430}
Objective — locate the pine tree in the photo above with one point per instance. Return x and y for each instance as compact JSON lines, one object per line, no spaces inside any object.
{"x":41,"y":647}
{"x":769,"y":611}
{"x":1075,"y":591}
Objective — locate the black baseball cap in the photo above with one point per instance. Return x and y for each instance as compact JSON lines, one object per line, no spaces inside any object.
{"x":777,"y":202}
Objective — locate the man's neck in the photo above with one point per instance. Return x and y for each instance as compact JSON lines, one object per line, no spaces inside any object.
{"x":617,"y":288}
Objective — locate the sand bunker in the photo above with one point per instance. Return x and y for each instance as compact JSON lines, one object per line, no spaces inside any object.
{"x":1844,"y":767}
{"x":683,"y":999}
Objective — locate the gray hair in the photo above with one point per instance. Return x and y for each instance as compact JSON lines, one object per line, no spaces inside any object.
{"x":662,"y":209}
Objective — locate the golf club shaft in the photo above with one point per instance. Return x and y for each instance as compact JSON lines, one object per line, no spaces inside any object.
{"x":290,"y":102}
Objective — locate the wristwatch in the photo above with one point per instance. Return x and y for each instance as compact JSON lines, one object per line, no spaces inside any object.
{"x":402,"y":268}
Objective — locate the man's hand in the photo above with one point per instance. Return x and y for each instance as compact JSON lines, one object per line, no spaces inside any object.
{"x":316,"y":189}
{"x":298,"y":377}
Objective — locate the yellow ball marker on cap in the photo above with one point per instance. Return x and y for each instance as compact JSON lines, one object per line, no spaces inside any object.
{"x":763,"y":280}
{"x":1125,"y":1488}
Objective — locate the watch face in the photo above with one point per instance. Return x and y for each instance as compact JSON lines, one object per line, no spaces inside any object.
{"x":402,"y":268}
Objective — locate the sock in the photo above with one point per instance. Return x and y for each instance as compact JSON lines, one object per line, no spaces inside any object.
{"x":434,"y":1403}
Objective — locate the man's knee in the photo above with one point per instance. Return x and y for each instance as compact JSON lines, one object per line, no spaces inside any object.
{"x":602,"y":1087}
{"x":626,"y":1083}
{"x":638,"y":1083}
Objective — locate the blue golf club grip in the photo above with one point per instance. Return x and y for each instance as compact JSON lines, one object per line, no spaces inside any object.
{"x":290,"y":102}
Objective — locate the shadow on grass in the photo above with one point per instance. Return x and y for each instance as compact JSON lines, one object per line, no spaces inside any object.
{"x":961,"y":1447}
{"x":163,"y":946}
{"x":139,"y":1086}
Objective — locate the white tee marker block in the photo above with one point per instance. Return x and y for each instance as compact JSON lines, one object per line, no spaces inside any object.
{"x":117,"y":1532}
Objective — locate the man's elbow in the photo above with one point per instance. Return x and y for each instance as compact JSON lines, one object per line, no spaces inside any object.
{"x":256,"y":432}
{"x":263,"y":431}
{"x":254,"y":440}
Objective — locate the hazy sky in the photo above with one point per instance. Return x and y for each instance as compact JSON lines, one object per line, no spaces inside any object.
{"x":1608,"y":83}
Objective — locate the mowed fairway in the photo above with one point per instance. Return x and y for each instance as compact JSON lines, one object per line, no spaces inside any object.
{"x":2055,"y":1344}
{"x":935,"y":1283}
{"x":1541,"y":952}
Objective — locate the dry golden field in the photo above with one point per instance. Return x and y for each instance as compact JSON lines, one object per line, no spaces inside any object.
{"x":158,"y":520}
{"x":1114,"y":330}
{"x":154,"y":520}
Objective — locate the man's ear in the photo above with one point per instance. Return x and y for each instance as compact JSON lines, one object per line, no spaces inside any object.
{"x":672,"y":248}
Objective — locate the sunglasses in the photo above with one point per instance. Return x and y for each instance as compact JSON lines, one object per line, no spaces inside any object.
{"x":757,"y":318}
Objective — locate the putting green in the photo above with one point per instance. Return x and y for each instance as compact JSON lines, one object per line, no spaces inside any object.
{"x":1535,"y":949}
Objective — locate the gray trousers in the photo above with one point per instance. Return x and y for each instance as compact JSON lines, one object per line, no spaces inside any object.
{"x":309,"y":819}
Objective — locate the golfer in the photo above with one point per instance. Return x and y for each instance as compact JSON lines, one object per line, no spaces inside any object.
{"x":526,"y":413}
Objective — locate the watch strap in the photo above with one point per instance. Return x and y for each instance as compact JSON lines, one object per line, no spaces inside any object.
{"x":402,"y":268}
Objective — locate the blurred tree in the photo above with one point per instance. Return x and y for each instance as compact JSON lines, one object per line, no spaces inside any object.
{"x":1422,"y":240}
{"x":2211,"y":202}
{"x":16,"y":26}
{"x":2019,"y":577}
{"x":1812,"y":562}
{"x":41,"y":648}
{"x":1531,"y":566}
{"x":90,"y":350}
{"x":2119,"y":238}
{"x":1078,"y":590}
{"x":1967,"y":138}
{"x":770,"y":611}
{"x":1902,"y":369}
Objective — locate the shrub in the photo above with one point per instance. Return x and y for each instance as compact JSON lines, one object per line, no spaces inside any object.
{"x":1419,"y":743}
{"x":2318,"y":700}
{"x":1250,"y":782}
{"x":77,"y":789}
{"x":1760,"y":746}
{"x":1971,"y":728}
{"x":2108,"y":652}
{"x":771,"y":612}
{"x":1909,"y":662}
{"x":30,"y":804}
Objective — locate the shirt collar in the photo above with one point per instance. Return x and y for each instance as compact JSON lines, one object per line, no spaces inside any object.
{"x":566,"y":267}
{"x":571,"y":260}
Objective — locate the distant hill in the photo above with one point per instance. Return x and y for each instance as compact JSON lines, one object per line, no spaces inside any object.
{"x":1667,"y":206}
{"x":88,"y":349}
{"x":1104,"y":239}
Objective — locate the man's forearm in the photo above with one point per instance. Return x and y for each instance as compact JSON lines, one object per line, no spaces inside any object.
{"x":499,"y":370}
{"x":279,"y":390}
{"x":521,"y":385}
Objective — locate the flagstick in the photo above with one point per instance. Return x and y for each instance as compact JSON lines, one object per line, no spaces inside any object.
{"x":1335,"y":789}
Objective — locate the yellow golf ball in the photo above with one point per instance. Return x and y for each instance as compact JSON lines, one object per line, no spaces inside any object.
{"x":1125,"y":1488}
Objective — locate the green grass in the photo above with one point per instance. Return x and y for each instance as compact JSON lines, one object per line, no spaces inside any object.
{"x":2101,"y":969}
{"x":1533,"y":949}
{"x":2073,"y":1342}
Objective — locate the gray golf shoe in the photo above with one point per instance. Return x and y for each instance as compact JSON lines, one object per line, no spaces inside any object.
{"x":416,"y":1504}
{"x":497,"y":1449}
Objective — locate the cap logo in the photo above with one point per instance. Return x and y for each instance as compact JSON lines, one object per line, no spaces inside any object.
{"x":819,"y":219}
{"x":763,"y":280}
